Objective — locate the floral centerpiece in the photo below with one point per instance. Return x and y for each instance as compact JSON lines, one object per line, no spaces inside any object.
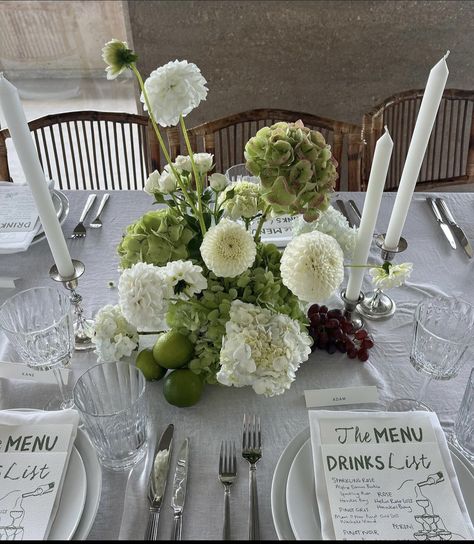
{"x":197,"y":266}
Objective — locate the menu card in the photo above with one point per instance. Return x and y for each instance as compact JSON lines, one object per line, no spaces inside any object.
{"x":18,"y":212}
{"x":33,"y":460}
{"x":386,"y":476}
{"x":278,"y":231}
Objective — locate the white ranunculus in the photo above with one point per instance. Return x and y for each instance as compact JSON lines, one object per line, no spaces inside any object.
{"x":183,"y":163}
{"x":152,"y":183}
{"x":228,"y":249}
{"x":203,"y":162}
{"x":173,"y":90}
{"x":114,"y":337}
{"x":218,"y":182}
{"x":144,"y":295}
{"x":312,"y":266}
{"x":262,"y":349}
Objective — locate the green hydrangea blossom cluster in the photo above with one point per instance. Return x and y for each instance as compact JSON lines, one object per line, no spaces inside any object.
{"x":295,"y":167}
{"x":203,"y":319}
{"x":158,"y":237}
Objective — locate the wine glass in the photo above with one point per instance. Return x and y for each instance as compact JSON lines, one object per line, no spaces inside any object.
{"x":443,"y":331}
{"x":38,"y":323}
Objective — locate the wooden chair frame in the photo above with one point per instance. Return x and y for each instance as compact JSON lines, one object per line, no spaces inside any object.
{"x":204,"y":136}
{"x":92,"y":155}
{"x":373,"y":127}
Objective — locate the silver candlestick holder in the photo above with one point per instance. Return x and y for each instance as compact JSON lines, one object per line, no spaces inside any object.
{"x":377,"y":304}
{"x":82,"y":327}
{"x":350,"y":310}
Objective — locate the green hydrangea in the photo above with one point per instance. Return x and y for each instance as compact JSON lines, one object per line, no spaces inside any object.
{"x":203,"y":318}
{"x":156,"y":238}
{"x":295,"y":166}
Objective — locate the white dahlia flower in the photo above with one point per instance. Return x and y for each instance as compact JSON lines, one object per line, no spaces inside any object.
{"x":185,"y":278}
{"x":173,"y":90}
{"x":144,"y":295}
{"x":114,"y":337}
{"x":261,"y":349}
{"x":390,"y":275}
{"x":312,"y":266}
{"x":228,"y":249}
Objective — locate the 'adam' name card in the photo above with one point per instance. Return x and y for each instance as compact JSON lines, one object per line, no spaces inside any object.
{"x":32,"y":465}
{"x":386,"y":479}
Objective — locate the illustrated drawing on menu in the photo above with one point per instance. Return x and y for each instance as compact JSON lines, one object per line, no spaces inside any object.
{"x":33,"y":461}
{"x":386,"y":477}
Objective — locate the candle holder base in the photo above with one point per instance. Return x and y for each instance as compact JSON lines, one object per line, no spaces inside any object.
{"x":83,"y":328}
{"x":377,"y":306}
{"x":350,"y":310}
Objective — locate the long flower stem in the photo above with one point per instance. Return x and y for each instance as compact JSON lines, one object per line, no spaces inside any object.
{"x":197,"y":177}
{"x":162,"y":143}
{"x":260,"y":224}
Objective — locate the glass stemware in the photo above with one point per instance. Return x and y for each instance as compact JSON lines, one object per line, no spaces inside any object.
{"x":443,"y":330}
{"x":38,"y":323}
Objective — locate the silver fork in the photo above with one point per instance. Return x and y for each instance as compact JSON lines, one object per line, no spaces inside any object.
{"x":80,"y":229}
{"x":252,"y":452}
{"x":97,"y":222}
{"x":227,"y":475}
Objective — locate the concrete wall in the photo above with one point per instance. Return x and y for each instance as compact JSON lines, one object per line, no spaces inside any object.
{"x":331,"y":58}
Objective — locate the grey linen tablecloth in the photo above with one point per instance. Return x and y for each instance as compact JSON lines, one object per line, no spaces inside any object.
{"x":218,"y":416}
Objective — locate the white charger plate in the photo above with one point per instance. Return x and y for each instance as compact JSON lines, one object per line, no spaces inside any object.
{"x":301,"y":504}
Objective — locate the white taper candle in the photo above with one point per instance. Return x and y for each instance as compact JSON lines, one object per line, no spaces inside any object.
{"x":17,"y":125}
{"x":375,"y":187}
{"x":421,"y":134}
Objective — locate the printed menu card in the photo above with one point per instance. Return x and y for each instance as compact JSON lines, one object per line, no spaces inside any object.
{"x":385,"y":476}
{"x":34,"y":452}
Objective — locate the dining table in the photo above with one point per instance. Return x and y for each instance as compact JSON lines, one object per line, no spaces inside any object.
{"x":437,"y":269}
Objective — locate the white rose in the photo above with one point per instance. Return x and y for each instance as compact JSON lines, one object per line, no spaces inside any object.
{"x":167,"y":182}
{"x":203,"y":162}
{"x":152,"y":183}
{"x":218,"y":182}
{"x":183,"y":162}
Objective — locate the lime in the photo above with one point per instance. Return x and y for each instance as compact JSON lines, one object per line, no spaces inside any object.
{"x":173,"y":349}
{"x":182,"y":387}
{"x":147,"y":364}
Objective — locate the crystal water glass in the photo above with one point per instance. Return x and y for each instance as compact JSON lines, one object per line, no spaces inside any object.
{"x":443,"y":331}
{"x":111,"y":400}
{"x":38,"y":323}
{"x":463,"y":436}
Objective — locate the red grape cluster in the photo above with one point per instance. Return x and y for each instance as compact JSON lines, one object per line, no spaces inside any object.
{"x":333,"y":331}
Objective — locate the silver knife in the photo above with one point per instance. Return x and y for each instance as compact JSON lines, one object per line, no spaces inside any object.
{"x":455,"y":227}
{"x":444,"y":227}
{"x":179,"y":489}
{"x":157,"y":481}
{"x":343,"y":210}
{"x":355,"y":209}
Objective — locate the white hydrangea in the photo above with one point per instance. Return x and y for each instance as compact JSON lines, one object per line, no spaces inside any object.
{"x":203,"y":162}
{"x":114,"y":337}
{"x":144,"y":295}
{"x":312,"y":266}
{"x":330,"y":222}
{"x":246,"y":200}
{"x":228,"y":249}
{"x":173,"y":90}
{"x":390,"y":275}
{"x":152,"y":183}
{"x":261,"y":349}
{"x":218,"y":182}
{"x":185,"y":278}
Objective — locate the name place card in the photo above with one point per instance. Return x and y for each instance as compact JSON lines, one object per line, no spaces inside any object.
{"x":19,"y":371}
{"x":338,"y":396}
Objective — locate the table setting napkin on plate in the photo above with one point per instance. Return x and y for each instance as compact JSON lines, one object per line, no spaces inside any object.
{"x":385,"y":475}
{"x":35,"y":449}
{"x":16,"y":241}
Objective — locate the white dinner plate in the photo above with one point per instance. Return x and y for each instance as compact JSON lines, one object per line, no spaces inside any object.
{"x":61,"y":205}
{"x":72,"y":500}
{"x":301,"y":498}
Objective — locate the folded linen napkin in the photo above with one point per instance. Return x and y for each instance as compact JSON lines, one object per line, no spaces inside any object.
{"x":14,"y":242}
{"x":385,"y":476}
{"x":35,"y":448}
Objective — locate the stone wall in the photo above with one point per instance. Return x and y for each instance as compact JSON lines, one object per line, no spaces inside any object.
{"x":331,"y":58}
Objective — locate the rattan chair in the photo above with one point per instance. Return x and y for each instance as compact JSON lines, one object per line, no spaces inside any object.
{"x":449,"y":157}
{"x":226,"y":139}
{"x":92,"y":149}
